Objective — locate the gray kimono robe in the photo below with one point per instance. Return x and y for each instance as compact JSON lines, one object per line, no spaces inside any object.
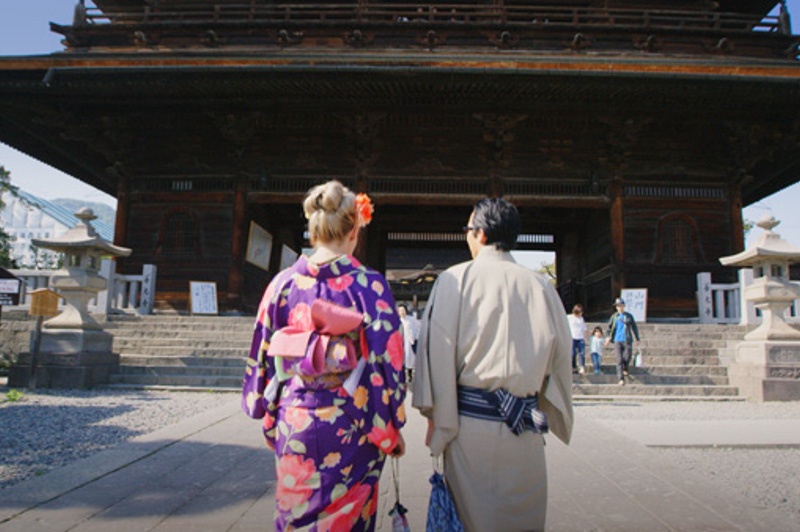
{"x":491,"y":323}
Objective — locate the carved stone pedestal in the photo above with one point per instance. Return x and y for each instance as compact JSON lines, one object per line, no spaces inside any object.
{"x":68,"y":359}
{"x":767,"y":371}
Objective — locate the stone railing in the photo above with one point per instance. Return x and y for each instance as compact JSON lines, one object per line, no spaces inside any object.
{"x":725,"y":303}
{"x":125,"y":293}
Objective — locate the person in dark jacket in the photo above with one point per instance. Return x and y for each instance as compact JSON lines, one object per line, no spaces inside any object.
{"x":622,"y":332}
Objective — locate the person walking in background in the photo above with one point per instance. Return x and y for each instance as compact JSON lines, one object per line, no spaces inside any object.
{"x":410,"y":334}
{"x":596,"y":349}
{"x":492,"y":374}
{"x":577,"y":327}
{"x":622,"y":331}
{"x":325,"y":372}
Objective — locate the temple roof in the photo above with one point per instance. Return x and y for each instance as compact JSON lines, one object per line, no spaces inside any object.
{"x":761,"y":7}
{"x":97,"y":116}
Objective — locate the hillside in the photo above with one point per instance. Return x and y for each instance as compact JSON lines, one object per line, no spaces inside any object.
{"x":103,"y":212}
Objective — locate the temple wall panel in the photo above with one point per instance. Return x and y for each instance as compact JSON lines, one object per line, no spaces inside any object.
{"x":667,"y":242}
{"x":597,"y":248}
{"x":187,"y":241}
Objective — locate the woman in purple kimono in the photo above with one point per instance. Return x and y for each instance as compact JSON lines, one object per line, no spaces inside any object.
{"x":326,"y":373}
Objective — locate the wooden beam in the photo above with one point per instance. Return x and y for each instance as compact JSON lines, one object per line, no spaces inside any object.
{"x":238,"y":243}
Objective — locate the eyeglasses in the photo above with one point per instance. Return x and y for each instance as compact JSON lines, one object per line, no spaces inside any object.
{"x":467,"y":228}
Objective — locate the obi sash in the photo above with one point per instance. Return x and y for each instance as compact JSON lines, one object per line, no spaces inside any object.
{"x":326,"y":348}
{"x":519,"y":413}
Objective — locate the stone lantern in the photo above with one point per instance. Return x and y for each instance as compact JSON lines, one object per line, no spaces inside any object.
{"x":767,"y":363}
{"x":79,"y":280}
{"x":74,"y":351}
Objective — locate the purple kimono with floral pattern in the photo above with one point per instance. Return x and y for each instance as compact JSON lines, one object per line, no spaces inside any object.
{"x":331,"y":430}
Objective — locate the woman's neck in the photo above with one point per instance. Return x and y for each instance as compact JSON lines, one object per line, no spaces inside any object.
{"x":328,"y":252}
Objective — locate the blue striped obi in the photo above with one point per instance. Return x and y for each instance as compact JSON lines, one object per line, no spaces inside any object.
{"x":519,"y":413}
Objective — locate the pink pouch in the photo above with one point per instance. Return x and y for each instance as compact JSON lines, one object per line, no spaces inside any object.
{"x":334,"y":320}
{"x":289,"y":342}
{"x":308,"y":349}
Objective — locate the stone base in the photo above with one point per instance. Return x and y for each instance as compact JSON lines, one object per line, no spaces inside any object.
{"x":767,"y":371}
{"x":61,"y":341}
{"x":68,"y":359}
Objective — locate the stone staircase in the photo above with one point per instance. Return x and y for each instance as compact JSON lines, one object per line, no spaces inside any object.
{"x":681,"y":361}
{"x":170,"y":351}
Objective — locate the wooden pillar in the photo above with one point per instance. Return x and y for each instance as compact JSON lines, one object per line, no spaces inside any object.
{"x":737,"y":224}
{"x":376,"y":249}
{"x":238,"y":243}
{"x":123,"y":212}
{"x":616,"y":192}
{"x":361,"y":248}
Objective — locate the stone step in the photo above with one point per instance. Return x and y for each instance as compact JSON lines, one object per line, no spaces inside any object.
{"x":182,"y":361}
{"x":170,"y":332}
{"x":181,"y":371}
{"x":188,"y":381}
{"x":245,"y":329}
{"x":680,"y":360}
{"x":687,"y":369}
{"x":610,"y":377}
{"x":653,"y":389}
{"x":180,"y":342}
{"x":199,"y":352}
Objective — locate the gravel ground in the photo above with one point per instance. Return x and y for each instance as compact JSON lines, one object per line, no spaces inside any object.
{"x":47,"y":429}
{"x":770,"y":476}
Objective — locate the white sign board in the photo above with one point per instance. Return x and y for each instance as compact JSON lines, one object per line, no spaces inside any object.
{"x":9,"y":286}
{"x":636,"y":303}
{"x":203,"y":297}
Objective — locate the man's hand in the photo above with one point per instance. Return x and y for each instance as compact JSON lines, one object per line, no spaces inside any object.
{"x":429,"y":433}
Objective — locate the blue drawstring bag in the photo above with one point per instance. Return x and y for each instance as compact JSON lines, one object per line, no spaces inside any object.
{"x":442,"y":516}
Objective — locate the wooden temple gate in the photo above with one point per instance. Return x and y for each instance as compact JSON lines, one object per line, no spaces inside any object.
{"x":629,"y":134}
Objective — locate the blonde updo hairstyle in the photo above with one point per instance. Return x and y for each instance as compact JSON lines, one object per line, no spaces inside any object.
{"x":330,"y":209}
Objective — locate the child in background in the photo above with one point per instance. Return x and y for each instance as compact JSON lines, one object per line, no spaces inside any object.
{"x":596,"y":349}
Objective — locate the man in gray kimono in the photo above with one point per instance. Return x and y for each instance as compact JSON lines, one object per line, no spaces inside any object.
{"x":492,"y":375}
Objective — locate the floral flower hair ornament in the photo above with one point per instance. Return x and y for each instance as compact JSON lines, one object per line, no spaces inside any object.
{"x":364,"y":209}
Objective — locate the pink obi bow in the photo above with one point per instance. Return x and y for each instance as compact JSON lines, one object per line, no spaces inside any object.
{"x":323,"y":349}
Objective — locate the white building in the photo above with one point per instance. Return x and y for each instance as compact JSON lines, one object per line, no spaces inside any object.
{"x":28,"y":216}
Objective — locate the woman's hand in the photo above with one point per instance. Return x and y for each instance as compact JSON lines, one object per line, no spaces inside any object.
{"x":399,"y":449}
{"x":270,"y":445}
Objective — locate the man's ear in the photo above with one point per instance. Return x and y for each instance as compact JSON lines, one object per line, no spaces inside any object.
{"x":480,"y":236}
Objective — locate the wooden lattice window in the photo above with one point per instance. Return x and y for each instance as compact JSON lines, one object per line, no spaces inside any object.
{"x":178,"y":237}
{"x":677,"y":240}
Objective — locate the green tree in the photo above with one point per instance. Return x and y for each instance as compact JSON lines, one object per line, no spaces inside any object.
{"x":6,"y":261}
{"x":748,"y":226}
{"x":548,"y":269}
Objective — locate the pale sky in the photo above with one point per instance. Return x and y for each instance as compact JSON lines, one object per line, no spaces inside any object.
{"x":24,"y":30}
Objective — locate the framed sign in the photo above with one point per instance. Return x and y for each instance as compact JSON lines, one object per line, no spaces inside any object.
{"x":288,"y":257}
{"x":636,"y":302}
{"x":9,"y":291}
{"x":203,"y":298}
{"x":259,"y":246}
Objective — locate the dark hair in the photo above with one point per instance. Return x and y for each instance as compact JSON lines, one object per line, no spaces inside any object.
{"x":499,"y":220}
{"x":403,"y":305}
{"x":597,"y":329}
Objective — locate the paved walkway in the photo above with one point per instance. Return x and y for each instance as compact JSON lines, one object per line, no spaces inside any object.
{"x":212,"y":473}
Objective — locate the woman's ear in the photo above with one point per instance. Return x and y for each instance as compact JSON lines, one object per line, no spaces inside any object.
{"x":353,"y":233}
